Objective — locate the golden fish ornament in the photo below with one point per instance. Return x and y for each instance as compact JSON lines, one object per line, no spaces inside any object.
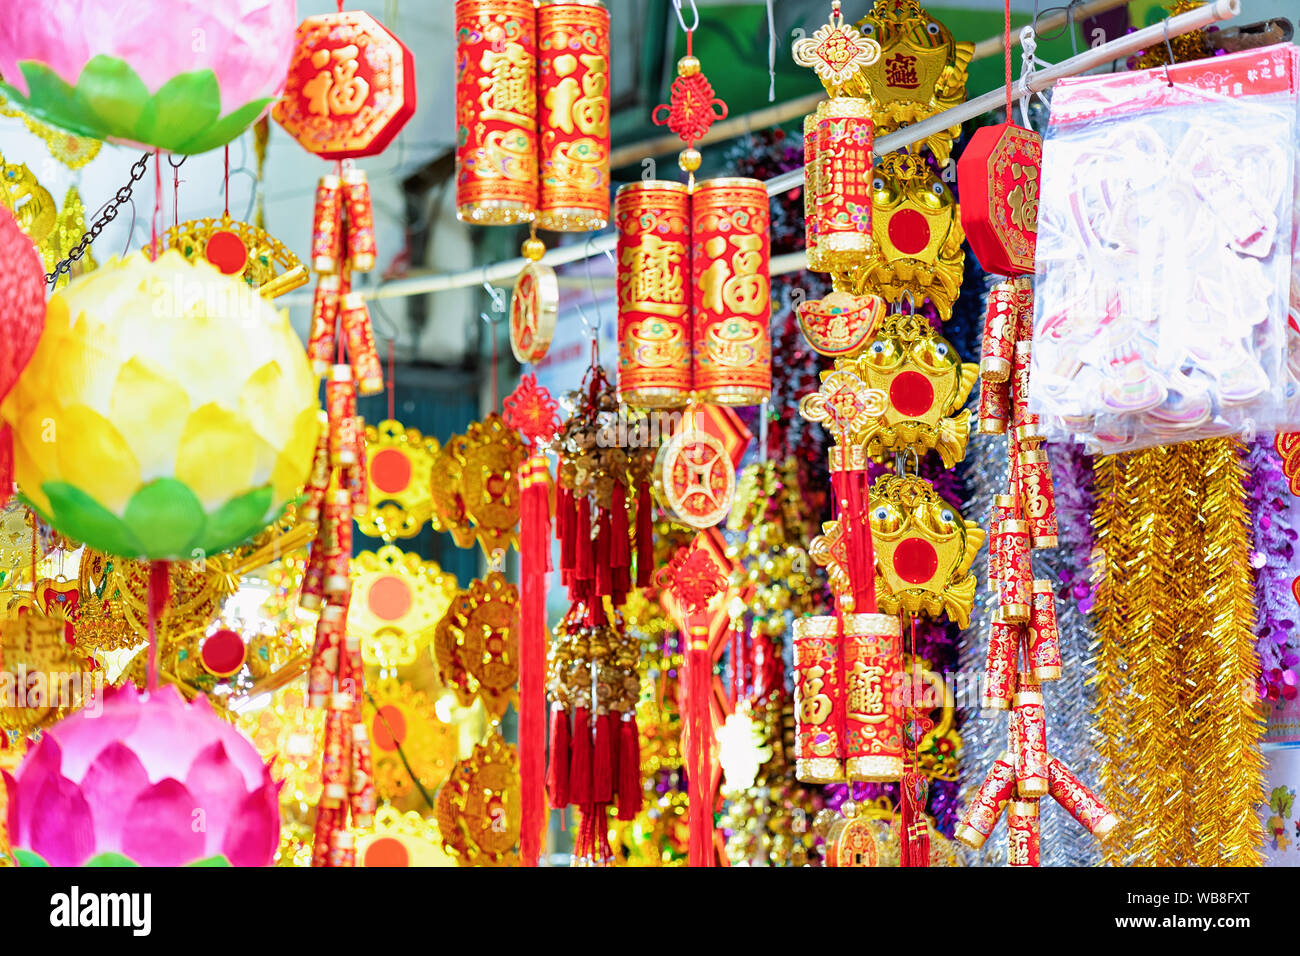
{"x":921,"y":70}
{"x":923,"y":551}
{"x":918,"y":236}
{"x":926,"y":384}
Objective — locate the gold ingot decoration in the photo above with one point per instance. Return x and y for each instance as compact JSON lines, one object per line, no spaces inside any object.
{"x":927,"y":384}
{"x":265,"y":264}
{"x":399,"y":839}
{"x":478,"y":808}
{"x":397,"y":600}
{"x":476,"y":644}
{"x":918,"y":237}
{"x":399,"y":474}
{"x":921,"y":71}
{"x":397,"y":715}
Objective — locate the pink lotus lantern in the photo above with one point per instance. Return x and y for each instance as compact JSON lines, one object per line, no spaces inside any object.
{"x":181,"y":75}
{"x":152,"y":780}
{"x":22,"y":290}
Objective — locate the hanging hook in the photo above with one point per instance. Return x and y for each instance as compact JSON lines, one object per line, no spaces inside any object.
{"x":677,"y":4}
{"x":906,"y":296}
{"x":497,"y":296}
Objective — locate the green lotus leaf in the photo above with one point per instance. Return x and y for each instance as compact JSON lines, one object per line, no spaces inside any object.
{"x":109,"y":89}
{"x":110,"y":858}
{"x":225,"y":129}
{"x":236,"y":521}
{"x":181,"y":110}
{"x":218,"y":860}
{"x":49,"y":98}
{"x":167,"y":517}
{"x":84,"y":519}
{"x":28,"y":858}
{"x":111,"y":101}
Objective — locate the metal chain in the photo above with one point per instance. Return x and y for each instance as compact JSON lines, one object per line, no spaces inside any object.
{"x":107,"y":215}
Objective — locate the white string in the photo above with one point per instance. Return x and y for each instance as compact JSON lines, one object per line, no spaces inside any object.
{"x":677,"y":4}
{"x":771,"y":54}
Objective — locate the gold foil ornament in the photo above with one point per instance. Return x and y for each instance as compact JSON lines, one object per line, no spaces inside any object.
{"x":397,"y":600}
{"x":489,"y":481}
{"x":835,"y":52}
{"x":399,"y":472}
{"x":841,"y":323}
{"x":921,"y":70}
{"x":397,"y":716}
{"x":927,"y":384}
{"x":478,"y":807}
{"x":239,"y":249}
{"x":918,"y":236}
{"x":476,"y":644}
{"x":695,"y":478}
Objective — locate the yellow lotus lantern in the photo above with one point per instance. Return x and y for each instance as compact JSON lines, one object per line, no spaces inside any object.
{"x":168,"y":412}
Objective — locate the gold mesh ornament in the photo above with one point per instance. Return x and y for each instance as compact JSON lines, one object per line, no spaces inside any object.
{"x":478,"y":808}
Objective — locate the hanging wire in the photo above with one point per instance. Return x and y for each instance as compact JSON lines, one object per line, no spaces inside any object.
{"x":1169,"y":48}
{"x":771,"y":54}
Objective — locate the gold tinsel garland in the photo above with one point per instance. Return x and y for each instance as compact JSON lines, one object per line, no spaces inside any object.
{"x":1177,"y":718}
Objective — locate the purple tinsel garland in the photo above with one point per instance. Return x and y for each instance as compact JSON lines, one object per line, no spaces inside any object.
{"x":1267,"y":496}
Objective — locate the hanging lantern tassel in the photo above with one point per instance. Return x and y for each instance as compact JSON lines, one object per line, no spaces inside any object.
{"x":6,"y":463}
{"x":629,"y":768}
{"x":159,"y":596}
{"x":557,"y":774}
{"x":645,"y":545}
{"x":534,"y":562}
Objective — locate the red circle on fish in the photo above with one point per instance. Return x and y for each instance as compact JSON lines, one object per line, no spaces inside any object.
{"x":911,"y":394}
{"x":915,"y":560}
{"x":908,"y":231}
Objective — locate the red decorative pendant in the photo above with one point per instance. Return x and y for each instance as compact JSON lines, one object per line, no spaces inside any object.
{"x":999,"y":177}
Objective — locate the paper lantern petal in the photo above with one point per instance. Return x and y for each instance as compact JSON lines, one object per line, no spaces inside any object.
{"x":217,"y":453}
{"x":28,"y":858}
{"x":83,"y":519}
{"x":166,"y":514}
{"x":11,"y":806}
{"x":149,"y":409}
{"x":40,"y":765}
{"x":237,"y":520}
{"x":110,"y":859}
{"x":162,"y":826}
{"x":63,"y":831}
{"x":217,"y":786}
{"x":114,"y":780}
{"x":255,"y":833}
{"x":217,"y":860}
{"x":49,"y":98}
{"x":93,"y":454}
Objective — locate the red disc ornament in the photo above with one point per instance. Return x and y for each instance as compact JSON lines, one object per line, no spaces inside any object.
{"x":351,"y":86}
{"x":998,"y":177}
{"x":223,"y":653}
{"x":695,"y":478}
{"x":227,"y":252}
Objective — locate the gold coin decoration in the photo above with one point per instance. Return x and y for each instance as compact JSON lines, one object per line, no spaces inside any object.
{"x":397,"y":600}
{"x":399,"y":471}
{"x":478,"y":808}
{"x":476,"y":647}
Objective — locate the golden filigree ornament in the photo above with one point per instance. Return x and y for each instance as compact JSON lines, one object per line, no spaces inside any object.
{"x":851,"y":839}
{"x":533,"y":306}
{"x":835,"y":52}
{"x":399,"y":469}
{"x":67,"y":232}
{"x":397,"y":600}
{"x":401,"y":840}
{"x":489,"y":481}
{"x":17,"y":526}
{"x":32,"y":205}
{"x":289,"y":734}
{"x":239,"y":249}
{"x":42,"y":679}
{"x":445,"y":495}
{"x":916,"y":225}
{"x":845,"y":405}
{"x":69,"y":149}
{"x":921,"y":70}
{"x":476,"y":647}
{"x":478,"y":808}
{"x":927,"y":384}
{"x":399,"y":716}
{"x":923,"y":549}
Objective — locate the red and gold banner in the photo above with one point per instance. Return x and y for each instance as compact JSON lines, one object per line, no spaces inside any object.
{"x":840,"y":216}
{"x":654,"y":315}
{"x":573,"y":90}
{"x":496,"y":111}
{"x":731,"y":291}
{"x":351,"y":86}
{"x":873,"y":664}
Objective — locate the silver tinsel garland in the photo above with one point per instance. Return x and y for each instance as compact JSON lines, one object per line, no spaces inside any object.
{"x":1068,"y":700}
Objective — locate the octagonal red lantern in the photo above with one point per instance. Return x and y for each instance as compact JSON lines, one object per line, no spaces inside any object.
{"x":999,"y":177}
{"x":351,"y":86}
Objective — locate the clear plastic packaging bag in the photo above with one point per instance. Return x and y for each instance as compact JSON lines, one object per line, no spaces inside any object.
{"x":1164,"y":259}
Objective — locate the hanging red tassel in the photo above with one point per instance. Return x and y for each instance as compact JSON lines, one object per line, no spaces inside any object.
{"x":580,"y":759}
{"x":160,"y":588}
{"x":6,"y":463}
{"x":582,"y":566}
{"x":602,"y":770}
{"x":699,"y":769}
{"x":620,"y":548}
{"x":645,"y":545}
{"x":535,"y":542}
{"x":915,"y":850}
{"x":602,"y":556}
{"x":629,"y":769}
{"x":564,"y":520}
{"x":557,"y":776}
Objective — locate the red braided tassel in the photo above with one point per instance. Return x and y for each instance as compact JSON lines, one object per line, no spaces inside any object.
{"x":557,"y":774}
{"x":580,"y":759}
{"x":629,"y":769}
{"x":645,"y":545}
